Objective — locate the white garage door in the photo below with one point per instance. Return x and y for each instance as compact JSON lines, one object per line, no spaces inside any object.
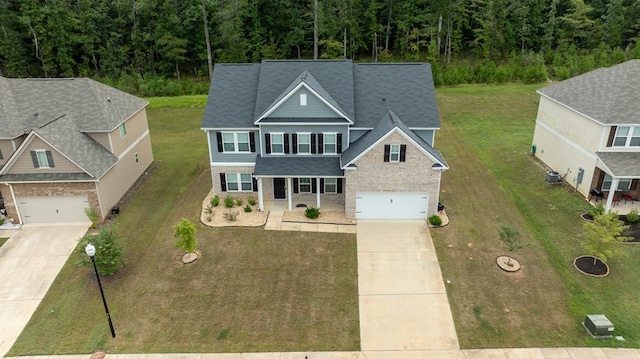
{"x":53,"y":209}
{"x":391,"y":205}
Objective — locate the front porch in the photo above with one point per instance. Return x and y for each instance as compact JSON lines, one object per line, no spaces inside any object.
{"x":621,"y":207}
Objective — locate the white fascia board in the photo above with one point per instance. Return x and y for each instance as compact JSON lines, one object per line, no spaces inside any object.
{"x":293,"y":91}
{"x":232,"y":164}
{"x":295,"y":176}
{"x":229,"y":128}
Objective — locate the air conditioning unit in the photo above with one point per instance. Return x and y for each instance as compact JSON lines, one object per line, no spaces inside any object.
{"x":598,"y":325}
{"x":553,"y":176}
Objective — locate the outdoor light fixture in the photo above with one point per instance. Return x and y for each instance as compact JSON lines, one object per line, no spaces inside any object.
{"x":90,"y":249}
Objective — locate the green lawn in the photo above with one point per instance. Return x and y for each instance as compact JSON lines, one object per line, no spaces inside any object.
{"x":486,"y":137}
{"x":3,"y":240}
{"x":252,"y":290}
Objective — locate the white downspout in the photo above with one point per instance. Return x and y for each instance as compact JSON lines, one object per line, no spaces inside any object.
{"x":289,"y":192}
{"x":318,"y":192}
{"x":612,"y":193}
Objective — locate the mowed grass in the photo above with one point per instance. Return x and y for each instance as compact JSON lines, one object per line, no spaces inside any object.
{"x":486,"y":138}
{"x":251,"y":290}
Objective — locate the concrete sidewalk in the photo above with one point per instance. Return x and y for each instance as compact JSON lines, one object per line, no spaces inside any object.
{"x":275,"y":223}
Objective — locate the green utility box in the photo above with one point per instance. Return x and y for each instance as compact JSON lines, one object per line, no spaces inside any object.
{"x":598,"y":325}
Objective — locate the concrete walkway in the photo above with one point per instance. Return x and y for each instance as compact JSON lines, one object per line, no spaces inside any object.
{"x":29,"y":262}
{"x":275,"y":223}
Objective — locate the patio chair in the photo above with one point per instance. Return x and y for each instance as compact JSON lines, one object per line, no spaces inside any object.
{"x":628,"y":197}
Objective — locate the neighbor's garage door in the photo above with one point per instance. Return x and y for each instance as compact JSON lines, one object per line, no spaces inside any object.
{"x":391,"y":205}
{"x":53,"y":209}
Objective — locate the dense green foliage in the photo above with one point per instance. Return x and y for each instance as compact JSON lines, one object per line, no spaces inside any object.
{"x":312,"y":212}
{"x":435,"y":220}
{"x":185,"y":232}
{"x":109,"y":250}
{"x":603,"y":236}
{"x":143,"y":46}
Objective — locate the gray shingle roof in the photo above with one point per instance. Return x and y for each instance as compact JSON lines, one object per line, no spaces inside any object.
{"x":84,"y":99}
{"x":298,"y":166}
{"x":239,"y":94}
{"x":39,"y":177}
{"x":608,"y":95}
{"x":389,"y":122}
{"x":621,"y":164}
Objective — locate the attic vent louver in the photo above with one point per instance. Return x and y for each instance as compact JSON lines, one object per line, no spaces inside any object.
{"x":35,"y":114}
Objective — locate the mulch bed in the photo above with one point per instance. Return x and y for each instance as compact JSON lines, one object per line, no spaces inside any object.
{"x":587,"y":265}
{"x":633,"y":231}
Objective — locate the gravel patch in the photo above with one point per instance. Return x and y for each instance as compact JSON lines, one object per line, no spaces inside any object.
{"x":254,"y":218}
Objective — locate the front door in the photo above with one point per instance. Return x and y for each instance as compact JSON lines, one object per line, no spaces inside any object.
{"x":279,"y":189}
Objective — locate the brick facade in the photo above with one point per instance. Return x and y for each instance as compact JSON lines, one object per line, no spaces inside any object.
{"x":215,"y":176}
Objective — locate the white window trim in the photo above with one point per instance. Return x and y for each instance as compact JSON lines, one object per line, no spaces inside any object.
{"x":324,"y":142}
{"x":335,"y":185}
{"x":303,"y":99}
{"x":392,"y":152}
{"x":123,"y":130}
{"x":236,"y":143}
{"x":309,"y":184}
{"x":606,"y":183}
{"x":628,"y":138}
{"x":46,"y":161}
{"x":238,"y":180}
{"x":272,"y":134}
{"x":308,"y":143}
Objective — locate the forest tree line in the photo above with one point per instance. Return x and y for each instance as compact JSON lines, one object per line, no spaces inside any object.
{"x":131,"y":43}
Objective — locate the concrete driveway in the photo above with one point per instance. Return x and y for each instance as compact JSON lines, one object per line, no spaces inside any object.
{"x":403,"y":301}
{"x":29,"y":262}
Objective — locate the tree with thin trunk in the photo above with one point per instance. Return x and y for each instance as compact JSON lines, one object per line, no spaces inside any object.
{"x":511,"y":237}
{"x":206,"y":38}
{"x":315,"y":29}
{"x":603,"y":236}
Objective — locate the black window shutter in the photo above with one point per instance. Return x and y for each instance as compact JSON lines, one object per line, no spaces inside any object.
{"x":403,"y":153}
{"x":267,"y":142}
{"x":612,"y":135}
{"x":321,"y":185}
{"x":387,"y":152}
{"x":223,"y":182}
{"x":49,"y":158}
{"x":286,"y":142}
{"x":219,"y":140}
{"x":255,"y":184}
{"x":339,"y":185}
{"x":295,"y":185}
{"x":1,"y":155}
{"x":294,"y":143}
{"x":339,"y":143}
{"x":34,"y":158}
{"x":314,"y":186}
{"x":252,"y":141}
{"x":313,"y":143}
{"x":320,"y":144}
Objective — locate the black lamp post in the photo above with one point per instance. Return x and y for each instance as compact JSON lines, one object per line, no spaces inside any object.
{"x":91,"y":252}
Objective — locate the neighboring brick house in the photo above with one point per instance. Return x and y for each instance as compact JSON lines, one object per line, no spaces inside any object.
{"x":588,"y":130}
{"x":67,"y":145}
{"x":360,"y":135}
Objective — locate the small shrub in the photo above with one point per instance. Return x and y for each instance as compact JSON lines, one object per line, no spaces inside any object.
{"x":312,"y":212}
{"x":208,"y":218}
{"x":93,"y":216}
{"x":251,"y":200}
{"x":215,"y":201}
{"x":633,"y":216}
{"x":231,"y":216}
{"x":229,"y":201}
{"x":248,"y":208}
{"x":239,"y":202}
{"x":435,"y":220}
{"x":596,"y":210}
{"x":185,"y":232}
{"x":208,"y":209}
{"x":2,"y":219}
{"x":109,"y":250}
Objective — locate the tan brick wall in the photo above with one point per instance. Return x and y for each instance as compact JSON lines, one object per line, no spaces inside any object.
{"x":375,"y":175}
{"x":215,"y":175}
{"x":49,"y":189}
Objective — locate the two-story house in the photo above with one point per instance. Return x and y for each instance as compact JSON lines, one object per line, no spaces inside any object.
{"x":307,"y":132}
{"x":67,"y":145}
{"x":588,"y":130}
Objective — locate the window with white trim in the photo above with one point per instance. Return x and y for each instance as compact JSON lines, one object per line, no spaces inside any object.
{"x":123,"y":130}
{"x":235,"y":142}
{"x":304,"y":143}
{"x":43,"y":162}
{"x":277,"y":143}
{"x":394,"y":154}
{"x":303,"y":99}
{"x":239,"y":182}
{"x":627,"y":136}
{"x":330,"y":185}
{"x":329,"y":143}
{"x":304,"y":185}
{"x":623,"y":184}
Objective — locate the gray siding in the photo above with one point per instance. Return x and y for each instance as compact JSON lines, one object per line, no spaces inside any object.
{"x":426,"y":135}
{"x":314,"y":108}
{"x":354,"y":135}
{"x":290,"y":129}
{"x":217,"y":156}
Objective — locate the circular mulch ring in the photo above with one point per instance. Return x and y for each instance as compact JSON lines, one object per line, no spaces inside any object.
{"x":587,"y":266}
{"x":508,"y":264}
{"x":98,"y":355}
{"x":586,"y":217}
{"x":189,"y":257}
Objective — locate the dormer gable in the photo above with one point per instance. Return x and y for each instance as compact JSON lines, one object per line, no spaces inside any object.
{"x":304,"y":97}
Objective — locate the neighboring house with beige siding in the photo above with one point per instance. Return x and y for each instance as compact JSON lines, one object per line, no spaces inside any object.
{"x":588,"y":130}
{"x":67,"y":145}
{"x":330,"y":131}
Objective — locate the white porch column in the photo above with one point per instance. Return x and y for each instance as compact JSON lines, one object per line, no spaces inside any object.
{"x":260,"y":195}
{"x":612,"y":193}
{"x":318,"y":192}
{"x":289,"y":185}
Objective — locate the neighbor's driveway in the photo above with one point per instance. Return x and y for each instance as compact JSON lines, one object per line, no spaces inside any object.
{"x":29,"y":262}
{"x":403,"y":301}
